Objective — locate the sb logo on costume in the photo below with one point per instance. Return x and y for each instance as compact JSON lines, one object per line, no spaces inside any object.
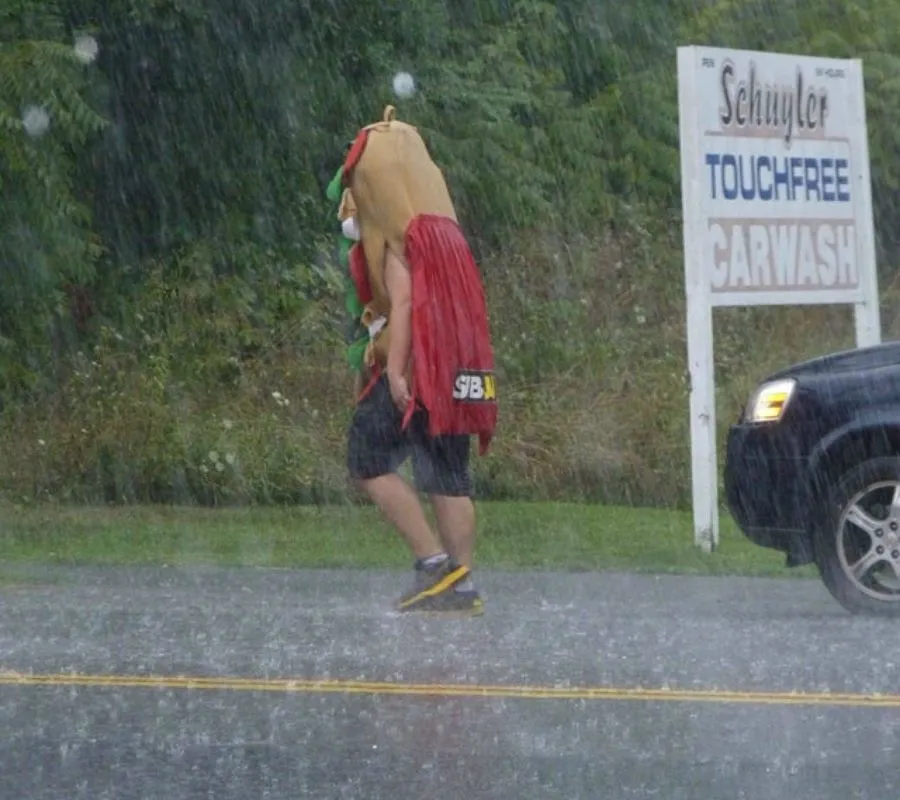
{"x":475,"y":387}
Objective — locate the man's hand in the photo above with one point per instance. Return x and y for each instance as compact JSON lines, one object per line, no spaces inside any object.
{"x":399,"y":389}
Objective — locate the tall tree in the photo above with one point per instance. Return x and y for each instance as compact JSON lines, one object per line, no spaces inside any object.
{"x":46,"y":241}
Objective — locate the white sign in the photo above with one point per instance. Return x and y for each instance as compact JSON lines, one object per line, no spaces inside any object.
{"x":777,"y":209}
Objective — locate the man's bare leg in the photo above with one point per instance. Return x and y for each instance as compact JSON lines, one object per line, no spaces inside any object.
{"x":398,"y":501}
{"x":456,"y":525}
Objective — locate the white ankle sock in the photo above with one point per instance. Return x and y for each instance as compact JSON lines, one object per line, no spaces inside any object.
{"x":433,"y":561}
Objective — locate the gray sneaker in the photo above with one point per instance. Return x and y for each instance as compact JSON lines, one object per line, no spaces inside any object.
{"x":435,"y":590}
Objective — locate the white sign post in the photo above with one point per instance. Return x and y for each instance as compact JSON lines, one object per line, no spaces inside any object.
{"x":777,"y":210}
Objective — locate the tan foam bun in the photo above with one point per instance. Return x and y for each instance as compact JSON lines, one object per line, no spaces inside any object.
{"x":394,"y":181}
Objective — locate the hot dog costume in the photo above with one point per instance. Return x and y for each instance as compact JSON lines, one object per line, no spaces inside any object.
{"x":394,"y":196}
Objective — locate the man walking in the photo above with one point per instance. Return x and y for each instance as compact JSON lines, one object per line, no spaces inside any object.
{"x":429,"y":364}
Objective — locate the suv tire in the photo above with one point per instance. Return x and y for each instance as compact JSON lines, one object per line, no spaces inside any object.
{"x":838,"y":543}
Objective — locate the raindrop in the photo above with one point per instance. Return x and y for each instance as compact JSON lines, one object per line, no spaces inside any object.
{"x":86,"y":48}
{"x":404,"y":84}
{"x":36,"y":120}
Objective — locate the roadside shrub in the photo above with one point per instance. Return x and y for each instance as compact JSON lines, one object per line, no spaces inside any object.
{"x":213,"y":388}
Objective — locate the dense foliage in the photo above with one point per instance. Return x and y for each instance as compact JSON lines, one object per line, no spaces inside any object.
{"x":171,"y":314}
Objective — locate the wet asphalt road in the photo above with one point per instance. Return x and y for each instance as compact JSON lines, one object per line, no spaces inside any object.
{"x":77,"y":741}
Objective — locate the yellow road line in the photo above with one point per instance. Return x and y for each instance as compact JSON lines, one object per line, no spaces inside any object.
{"x":307,"y":686}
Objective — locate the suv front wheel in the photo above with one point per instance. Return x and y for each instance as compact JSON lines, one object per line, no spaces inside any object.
{"x":857,"y":544}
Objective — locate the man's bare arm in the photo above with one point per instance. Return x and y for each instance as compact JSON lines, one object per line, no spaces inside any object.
{"x":399,"y":288}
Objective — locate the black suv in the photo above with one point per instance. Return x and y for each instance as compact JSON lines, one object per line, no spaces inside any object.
{"x":812,"y":469}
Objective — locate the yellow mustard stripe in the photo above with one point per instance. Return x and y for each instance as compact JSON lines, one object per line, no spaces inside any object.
{"x":445,"y":583}
{"x":337,"y":686}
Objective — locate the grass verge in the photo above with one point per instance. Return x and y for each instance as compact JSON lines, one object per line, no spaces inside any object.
{"x":511,"y":535}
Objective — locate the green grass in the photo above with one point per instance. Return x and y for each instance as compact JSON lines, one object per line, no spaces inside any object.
{"x":511,"y":535}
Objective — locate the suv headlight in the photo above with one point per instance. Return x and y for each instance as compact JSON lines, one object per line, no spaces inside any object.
{"x":770,"y":401}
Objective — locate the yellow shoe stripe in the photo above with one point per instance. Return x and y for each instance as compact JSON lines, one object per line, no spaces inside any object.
{"x":454,"y":577}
